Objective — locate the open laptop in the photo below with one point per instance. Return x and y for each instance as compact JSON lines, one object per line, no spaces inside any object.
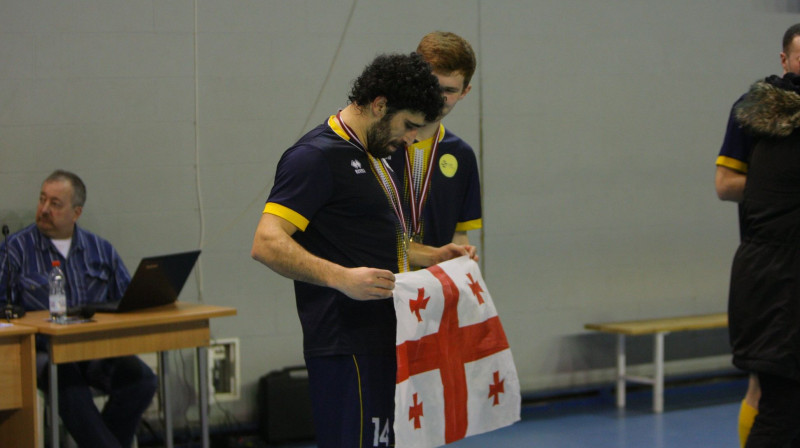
{"x":157,"y":281}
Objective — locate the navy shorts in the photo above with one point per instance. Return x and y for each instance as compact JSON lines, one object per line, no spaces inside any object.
{"x":352,"y":397}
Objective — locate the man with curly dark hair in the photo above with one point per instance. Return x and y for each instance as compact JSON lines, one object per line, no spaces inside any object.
{"x":334,"y":223}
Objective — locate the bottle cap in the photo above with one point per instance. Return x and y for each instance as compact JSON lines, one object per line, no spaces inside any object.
{"x":56,"y":263}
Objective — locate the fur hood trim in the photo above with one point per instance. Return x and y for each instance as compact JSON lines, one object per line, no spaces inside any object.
{"x":768,"y":109}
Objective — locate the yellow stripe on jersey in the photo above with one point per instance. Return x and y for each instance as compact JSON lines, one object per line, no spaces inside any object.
{"x":288,"y":214}
{"x":729,"y":162}
{"x":360,"y":403}
{"x":475,"y":224}
{"x":335,"y":127}
{"x":425,"y":145}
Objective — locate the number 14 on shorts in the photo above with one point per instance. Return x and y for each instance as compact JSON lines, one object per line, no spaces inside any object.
{"x":381,"y":431}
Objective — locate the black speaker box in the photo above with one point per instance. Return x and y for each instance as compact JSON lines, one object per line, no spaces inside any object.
{"x":284,"y":406}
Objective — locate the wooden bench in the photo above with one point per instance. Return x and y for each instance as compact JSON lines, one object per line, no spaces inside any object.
{"x":658,"y":328}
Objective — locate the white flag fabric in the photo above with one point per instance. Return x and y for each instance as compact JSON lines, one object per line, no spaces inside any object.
{"x":455,"y":373}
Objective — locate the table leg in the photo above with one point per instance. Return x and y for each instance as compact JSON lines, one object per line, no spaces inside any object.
{"x":621,"y":371}
{"x":53,"y":398}
{"x":202,"y":373}
{"x":658,"y":381}
{"x":166,"y":402}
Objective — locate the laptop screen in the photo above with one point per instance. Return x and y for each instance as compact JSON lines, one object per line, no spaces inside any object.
{"x":158,"y":280}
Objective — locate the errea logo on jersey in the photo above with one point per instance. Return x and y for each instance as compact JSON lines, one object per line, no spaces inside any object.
{"x":357,"y":166}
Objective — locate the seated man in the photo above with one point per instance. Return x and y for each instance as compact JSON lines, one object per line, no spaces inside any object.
{"x":94,"y":273}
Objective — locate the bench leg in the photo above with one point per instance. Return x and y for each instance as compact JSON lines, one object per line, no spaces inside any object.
{"x":658,"y":380}
{"x":621,"y":371}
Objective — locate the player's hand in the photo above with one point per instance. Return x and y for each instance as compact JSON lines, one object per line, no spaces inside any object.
{"x":472,"y":251}
{"x":452,"y":250}
{"x":424,"y":256}
{"x":367,"y":283}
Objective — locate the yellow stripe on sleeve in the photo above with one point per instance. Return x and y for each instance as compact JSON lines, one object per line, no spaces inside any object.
{"x":475,"y":224}
{"x":729,"y":162}
{"x":288,"y":214}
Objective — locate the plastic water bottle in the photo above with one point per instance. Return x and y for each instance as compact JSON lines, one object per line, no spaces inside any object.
{"x":58,"y":294}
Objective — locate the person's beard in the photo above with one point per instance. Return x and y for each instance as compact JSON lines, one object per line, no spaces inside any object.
{"x":379,"y":142}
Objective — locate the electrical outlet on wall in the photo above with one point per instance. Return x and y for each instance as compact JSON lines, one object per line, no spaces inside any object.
{"x":224,"y":369}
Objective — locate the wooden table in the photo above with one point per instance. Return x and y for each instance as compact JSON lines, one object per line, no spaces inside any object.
{"x":658,"y":328}
{"x":18,"y":387}
{"x":170,"y":327}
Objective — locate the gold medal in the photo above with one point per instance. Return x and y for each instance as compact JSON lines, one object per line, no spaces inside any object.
{"x":382,"y":172}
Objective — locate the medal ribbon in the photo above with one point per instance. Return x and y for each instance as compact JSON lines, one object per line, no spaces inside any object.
{"x":418,"y":192}
{"x":381,"y":171}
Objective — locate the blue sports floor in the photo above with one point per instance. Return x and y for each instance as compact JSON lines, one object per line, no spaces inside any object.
{"x":707,"y":426}
{"x":696,"y":415}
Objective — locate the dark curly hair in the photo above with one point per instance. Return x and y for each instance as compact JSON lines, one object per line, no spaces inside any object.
{"x":405,"y":80}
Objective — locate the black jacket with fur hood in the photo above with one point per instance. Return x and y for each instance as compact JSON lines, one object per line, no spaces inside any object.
{"x":764,"y":300}
{"x":772,"y":106}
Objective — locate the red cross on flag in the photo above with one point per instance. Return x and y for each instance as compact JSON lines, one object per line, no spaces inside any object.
{"x":455,"y":373}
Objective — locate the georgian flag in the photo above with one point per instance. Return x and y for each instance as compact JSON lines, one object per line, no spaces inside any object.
{"x":455,"y":373}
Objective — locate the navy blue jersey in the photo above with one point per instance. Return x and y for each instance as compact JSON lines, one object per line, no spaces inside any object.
{"x":454,"y":201}
{"x":737,"y":144}
{"x":325,"y":186}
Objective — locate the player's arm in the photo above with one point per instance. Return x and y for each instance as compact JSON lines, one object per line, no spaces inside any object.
{"x":729,"y":184}
{"x":274,"y":247}
{"x":424,"y":256}
{"x":461,"y":238}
